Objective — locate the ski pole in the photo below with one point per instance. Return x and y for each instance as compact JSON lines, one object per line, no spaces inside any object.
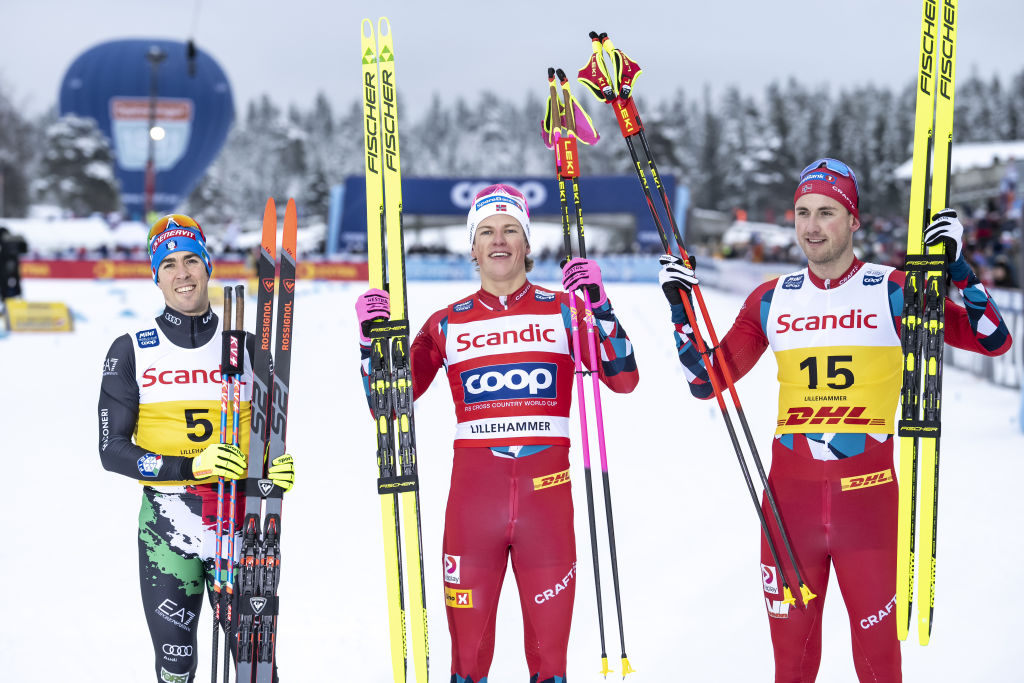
{"x":631,"y":125}
{"x":570,"y":118}
{"x":218,"y":546}
{"x":565,"y":152}
{"x":237,"y":358}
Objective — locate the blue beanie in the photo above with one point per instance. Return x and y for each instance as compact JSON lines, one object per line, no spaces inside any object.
{"x":175,"y":233}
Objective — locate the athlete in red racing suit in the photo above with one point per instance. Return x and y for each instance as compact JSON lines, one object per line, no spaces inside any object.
{"x":506,"y":351}
{"x":835,"y":330}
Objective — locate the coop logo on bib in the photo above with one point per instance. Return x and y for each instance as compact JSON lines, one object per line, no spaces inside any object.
{"x":147,"y":338}
{"x":793,"y":282}
{"x":509,"y":381}
{"x":873,"y":277}
{"x":452,"y":568}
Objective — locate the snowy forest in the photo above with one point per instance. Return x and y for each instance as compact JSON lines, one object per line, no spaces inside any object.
{"x":734,"y":149}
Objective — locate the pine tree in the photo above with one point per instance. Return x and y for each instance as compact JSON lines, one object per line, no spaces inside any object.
{"x":18,"y":142}
{"x":77,"y":168}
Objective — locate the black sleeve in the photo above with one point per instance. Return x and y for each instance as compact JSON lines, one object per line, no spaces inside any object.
{"x":118,"y":414}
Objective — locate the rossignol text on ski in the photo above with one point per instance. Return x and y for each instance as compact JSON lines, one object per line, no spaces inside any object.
{"x":259,"y":563}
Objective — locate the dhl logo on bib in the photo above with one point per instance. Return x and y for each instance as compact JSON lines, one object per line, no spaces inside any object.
{"x":866,"y":480}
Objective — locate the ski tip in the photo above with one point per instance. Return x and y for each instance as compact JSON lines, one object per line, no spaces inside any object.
{"x":270,"y":211}
{"x":288,"y":239}
{"x":383,"y":27}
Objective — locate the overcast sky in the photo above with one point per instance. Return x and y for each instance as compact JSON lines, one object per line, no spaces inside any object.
{"x":295,"y":48}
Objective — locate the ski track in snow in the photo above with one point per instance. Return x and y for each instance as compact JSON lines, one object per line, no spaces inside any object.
{"x":686,"y":531}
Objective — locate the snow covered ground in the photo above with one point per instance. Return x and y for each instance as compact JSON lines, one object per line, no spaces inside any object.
{"x":687,"y":534}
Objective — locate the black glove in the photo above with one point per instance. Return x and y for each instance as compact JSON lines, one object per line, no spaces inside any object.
{"x":675,"y":276}
{"x":946,"y":229}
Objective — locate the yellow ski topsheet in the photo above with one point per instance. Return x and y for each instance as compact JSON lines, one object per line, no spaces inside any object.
{"x":933,"y":130}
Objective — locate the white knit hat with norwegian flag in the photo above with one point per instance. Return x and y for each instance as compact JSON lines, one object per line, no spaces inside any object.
{"x":495,"y":199}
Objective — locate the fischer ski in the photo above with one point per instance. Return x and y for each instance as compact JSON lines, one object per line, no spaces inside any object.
{"x":259,"y":563}
{"x":390,"y":381}
{"x":617,"y":91}
{"x":922,"y":333}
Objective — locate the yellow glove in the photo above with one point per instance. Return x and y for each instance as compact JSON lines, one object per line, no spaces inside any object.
{"x":220,"y":460}
{"x":282,"y":471}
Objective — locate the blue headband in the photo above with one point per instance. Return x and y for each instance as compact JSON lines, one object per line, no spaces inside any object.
{"x":178,"y":238}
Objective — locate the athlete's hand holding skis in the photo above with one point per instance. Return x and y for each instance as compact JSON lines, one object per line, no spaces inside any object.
{"x":946,"y":229}
{"x":373,"y":304}
{"x":282,"y":471}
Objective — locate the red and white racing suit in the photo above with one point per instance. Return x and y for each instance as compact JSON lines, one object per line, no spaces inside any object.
{"x":837,"y":343}
{"x":510,"y":368}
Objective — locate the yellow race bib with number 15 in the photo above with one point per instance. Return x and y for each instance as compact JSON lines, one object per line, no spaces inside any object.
{"x":839,"y":356}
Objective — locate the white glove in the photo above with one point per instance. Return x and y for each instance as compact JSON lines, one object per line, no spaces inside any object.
{"x":946,"y":229}
{"x":674,"y":275}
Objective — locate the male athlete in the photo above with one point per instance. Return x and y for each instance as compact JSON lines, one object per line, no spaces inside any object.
{"x":506,"y":351}
{"x":834,"y":327}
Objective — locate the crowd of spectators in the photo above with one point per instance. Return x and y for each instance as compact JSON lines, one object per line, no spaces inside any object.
{"x":992,"y":241}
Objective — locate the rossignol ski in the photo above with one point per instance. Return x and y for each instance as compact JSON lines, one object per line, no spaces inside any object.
{"x":922,"y":333}
{"x":259,"y":563}
{"x":565,"y":123}
{"x":390,"y":380}
{"x":617,"y":91}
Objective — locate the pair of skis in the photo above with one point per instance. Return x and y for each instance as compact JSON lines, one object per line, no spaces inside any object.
{"x":390,"y":380}
{"x":921,"y":334}
{"x":254,"y":579}
{"x":617,"y":90}
{"x":565,"y":122}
